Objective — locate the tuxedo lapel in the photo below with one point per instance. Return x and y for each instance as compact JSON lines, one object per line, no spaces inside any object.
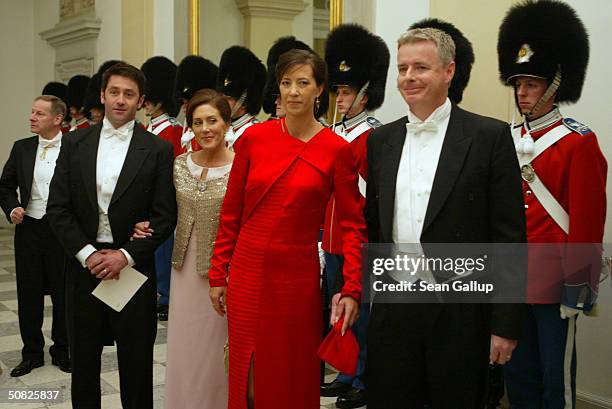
{"x":28,"y":162}
{"x":136,"y":154}
{"x":390,"y":157}
{"x":454,"y":150}
{"x":88,"y":154}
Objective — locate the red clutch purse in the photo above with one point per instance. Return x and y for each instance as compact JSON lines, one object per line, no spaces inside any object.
{"x":341,"y":352}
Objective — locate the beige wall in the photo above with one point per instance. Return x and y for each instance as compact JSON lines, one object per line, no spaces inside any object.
{"x":302,"y":25}
{"x":46,"y":15}
{"x":16,"y":71}
{"x":479,"y":21}
{"x":110,"y":38}
{"x":137,"y":30}
{"x":220,"y":27}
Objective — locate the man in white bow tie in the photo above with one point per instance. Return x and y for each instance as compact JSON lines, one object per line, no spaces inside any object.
{"x":108,"y":178}
{"x":438,"y":175}
{"x":39,"y":259}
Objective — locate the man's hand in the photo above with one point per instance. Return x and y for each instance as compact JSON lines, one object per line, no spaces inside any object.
{"x":346,"y":306}
{"x":218,"y":299}
{"x":106,"y":264}
{"x":17,"y":215}
{"x":501,"y":349}
{"x":141,"y":231}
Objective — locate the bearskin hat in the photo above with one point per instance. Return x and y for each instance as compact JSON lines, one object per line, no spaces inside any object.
{"x":240,"y":70}
{"x":59,"y":90}
{"x":464,"y":55}
{"x":56,"y":89}
{"x":282,"y":45}
{"x":538,"y":37}
{"x":355,"y":56}
{"x":193,"y":74}
{"x":160,"y":73}
{"x":77,"y":87}
{"x":92,"y":94}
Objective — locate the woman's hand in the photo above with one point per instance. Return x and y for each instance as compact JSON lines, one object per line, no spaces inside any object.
{"x":141,"y":230}
{"x":218,"y":299}
{"x":346,"y":306}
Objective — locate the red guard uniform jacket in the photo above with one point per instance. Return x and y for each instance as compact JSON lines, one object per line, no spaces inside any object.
{"x":332,"y":234}
{"x":574,"y":171}
{"x":169,"y":129}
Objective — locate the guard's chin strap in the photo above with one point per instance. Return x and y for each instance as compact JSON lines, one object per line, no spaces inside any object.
{"x":238,"y":104}
{"x":155,"y":110}
{"x":356,"y":101}
{"x":552,"y":88}
{"x":359,"y":96}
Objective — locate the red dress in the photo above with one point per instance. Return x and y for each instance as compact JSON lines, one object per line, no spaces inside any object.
{"x":275,"y":202}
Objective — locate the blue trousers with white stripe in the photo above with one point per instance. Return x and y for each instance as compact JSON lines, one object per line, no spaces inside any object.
{"x":542,"y":371}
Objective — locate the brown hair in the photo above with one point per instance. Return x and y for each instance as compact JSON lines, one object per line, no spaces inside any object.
{"x":295,"y":57}
{"x":209,"y":97}
{"x":58,"y":107}
{"x":124,"y":70}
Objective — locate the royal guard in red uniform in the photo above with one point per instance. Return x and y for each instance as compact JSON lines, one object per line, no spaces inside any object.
{"x":193,"y":74}
{"x":77,"y":87}
{"x":358,"y":62}
{"x":160,"y":105}
{"x":241,"y":78}
{"x":61,"y":91}
{"x":543,"y":54}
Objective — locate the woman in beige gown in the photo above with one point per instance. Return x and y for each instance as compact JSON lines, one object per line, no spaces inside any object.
{"x":195,"y":371}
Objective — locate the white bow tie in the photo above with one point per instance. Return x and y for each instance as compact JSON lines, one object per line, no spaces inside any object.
{"x":418,"y":127}
{"x":47,"y":144}
{"x":119,"y":133}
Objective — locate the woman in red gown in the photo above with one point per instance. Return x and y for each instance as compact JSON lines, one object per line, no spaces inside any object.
{"x":265,"y":255}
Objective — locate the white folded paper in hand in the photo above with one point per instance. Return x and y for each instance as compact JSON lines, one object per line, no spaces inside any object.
{"x":117,"y":293}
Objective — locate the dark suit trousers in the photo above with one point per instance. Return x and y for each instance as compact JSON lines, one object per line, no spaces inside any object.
{"x":434,"y":354}
{"x":39,"y":266}
{"x":91,"y":323}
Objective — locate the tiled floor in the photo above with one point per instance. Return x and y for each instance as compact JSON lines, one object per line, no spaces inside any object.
{"x":50,"y":377}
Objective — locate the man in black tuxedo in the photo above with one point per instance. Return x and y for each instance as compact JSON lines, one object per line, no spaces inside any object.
{"x":108,"y":178}
{"x":39,"y":259}
{"x":439,"y":175}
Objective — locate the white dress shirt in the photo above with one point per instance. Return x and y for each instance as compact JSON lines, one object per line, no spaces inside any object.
{"x":112,"y":150}
{"x":44,"y":166}
{"x":416,"y":172}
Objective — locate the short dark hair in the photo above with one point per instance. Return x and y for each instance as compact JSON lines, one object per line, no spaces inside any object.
{"x":209,"y":97}
{"x":300,"y":57}
{"x":124,"y":70}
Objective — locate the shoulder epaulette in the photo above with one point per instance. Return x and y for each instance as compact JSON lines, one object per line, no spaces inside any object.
{"x":174,"y":122}
{"x":576,"y":126}
{"x":374,"y":123}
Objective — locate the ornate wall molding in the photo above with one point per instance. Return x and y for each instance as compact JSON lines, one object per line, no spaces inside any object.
{"x":70,"y":8}
{"x":74,"y":40}
{"x":282,"y":9}
{"x":67,"y":69}
{"x":72,"y":31}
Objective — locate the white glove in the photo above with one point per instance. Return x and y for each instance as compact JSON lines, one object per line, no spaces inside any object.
{"x":321,"y":257}
{"x":568,"y":312}
{"x":186,"y":138}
